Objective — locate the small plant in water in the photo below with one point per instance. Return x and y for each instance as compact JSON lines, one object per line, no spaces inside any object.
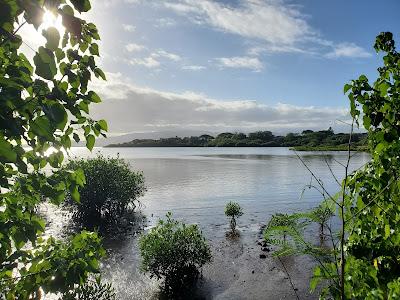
{"x":321,"y":215}
{"x":175,"y":252}
{"x":233,"y":211}
{"x":283,"y":222}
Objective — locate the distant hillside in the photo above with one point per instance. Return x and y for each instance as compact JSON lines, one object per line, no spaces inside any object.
{"x":307,"y":140}
{"x":119,"y":139}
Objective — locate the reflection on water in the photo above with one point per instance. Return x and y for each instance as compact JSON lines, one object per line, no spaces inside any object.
{"x":196,"y":183}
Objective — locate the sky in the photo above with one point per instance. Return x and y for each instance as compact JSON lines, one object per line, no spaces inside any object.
{"x":201,"y":66}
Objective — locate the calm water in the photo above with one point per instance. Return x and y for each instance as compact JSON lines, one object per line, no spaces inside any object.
{"x":196,"y":183}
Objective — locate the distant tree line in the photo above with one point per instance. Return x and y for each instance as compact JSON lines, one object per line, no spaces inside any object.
{"x":306,"y":139}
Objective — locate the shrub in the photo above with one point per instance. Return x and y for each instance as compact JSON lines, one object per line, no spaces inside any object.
{"x":233,"y":211}
{"x":111,"y":189}
{"x":174,"y":252}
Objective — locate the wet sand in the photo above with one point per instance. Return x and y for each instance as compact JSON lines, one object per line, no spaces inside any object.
{"x":236,"y":272}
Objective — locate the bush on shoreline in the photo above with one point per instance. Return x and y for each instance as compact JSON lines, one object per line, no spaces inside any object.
{"x":111,"y":189}
{"x":233,"y":211}
{"x":175,"y":252}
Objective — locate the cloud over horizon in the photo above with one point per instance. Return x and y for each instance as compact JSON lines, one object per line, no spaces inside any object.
{"x":130,"y":108}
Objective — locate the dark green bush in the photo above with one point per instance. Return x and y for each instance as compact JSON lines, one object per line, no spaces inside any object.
{"x":111,"y":189}
{"x":174,"y":252}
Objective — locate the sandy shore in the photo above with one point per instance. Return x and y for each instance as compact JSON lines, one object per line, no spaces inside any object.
{"x":236,"y":272}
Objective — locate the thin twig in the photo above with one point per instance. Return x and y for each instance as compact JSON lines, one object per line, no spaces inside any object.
{"x":342,"y":208}
{"x":330,"y":169}
{"x":338,"y":162}
{"x":315,"y":177}
{"x":334,"y":249}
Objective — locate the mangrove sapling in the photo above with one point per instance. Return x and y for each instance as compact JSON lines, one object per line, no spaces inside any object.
{"x":233,"y":211}
{"x":174,"y":252}
{"x":285,"y":226}
{"x":321,"y":215}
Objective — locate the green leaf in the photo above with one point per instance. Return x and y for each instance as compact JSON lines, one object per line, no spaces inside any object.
{"x":72,"y":24}
{"x":33,"y":13}
{"x":45,"y":63}
{"x":366,"y":121}
{"x":93,"y":97}
{"x":90,"y":140}
{"x":7,"y":153}
{"x":84,"y":106}
{"x":75,"y":194}
{"x":383,"y":87}
{"x":56,"y":113}
{"x":60,"y":54}
{"x":387,"y":231}
{"x":41,"y":127}
{"x":103,"y":125}
{"x":99,"y":73}
{"x":94,"y":49}
{"x":19,"y":239}
{"x":79,"y":177}
{"x":81,"y":5}
{"x":53,"y":38}
{"x":346,"y":88}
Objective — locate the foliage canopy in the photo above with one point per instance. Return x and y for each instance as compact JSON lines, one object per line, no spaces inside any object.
{"x":364,"y":261}
{"x":44,"y":105}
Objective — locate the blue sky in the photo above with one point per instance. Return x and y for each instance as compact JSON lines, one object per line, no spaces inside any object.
{"x":212,"y":66}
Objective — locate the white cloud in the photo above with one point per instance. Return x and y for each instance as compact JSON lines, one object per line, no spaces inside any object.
{"x":167,"y":55}
{"x":181,"y":7}
{"x":133,"y":1}
{"x":154,"y":59}
{"x":269,"y":20}
{"x":148,"y":62}
{"x":165,"y":22}
{"x":194,"y":68}
{"x":348,"y":50}
{"x":132,"y":47}
{"x":128,"y":27}
{"x":275,"y":25}
{"x":242,"y":62}
{"x":130,"y":108}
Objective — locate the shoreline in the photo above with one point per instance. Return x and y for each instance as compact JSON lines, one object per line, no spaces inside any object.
{"x":241,"y":269}
{"x":330,"y":148}
{"x":293,"y":148}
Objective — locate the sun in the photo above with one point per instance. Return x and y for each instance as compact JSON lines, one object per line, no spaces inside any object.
{"x":52,"y":20}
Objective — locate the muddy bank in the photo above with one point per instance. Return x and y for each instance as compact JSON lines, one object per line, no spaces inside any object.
{"x":236,"y":272}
